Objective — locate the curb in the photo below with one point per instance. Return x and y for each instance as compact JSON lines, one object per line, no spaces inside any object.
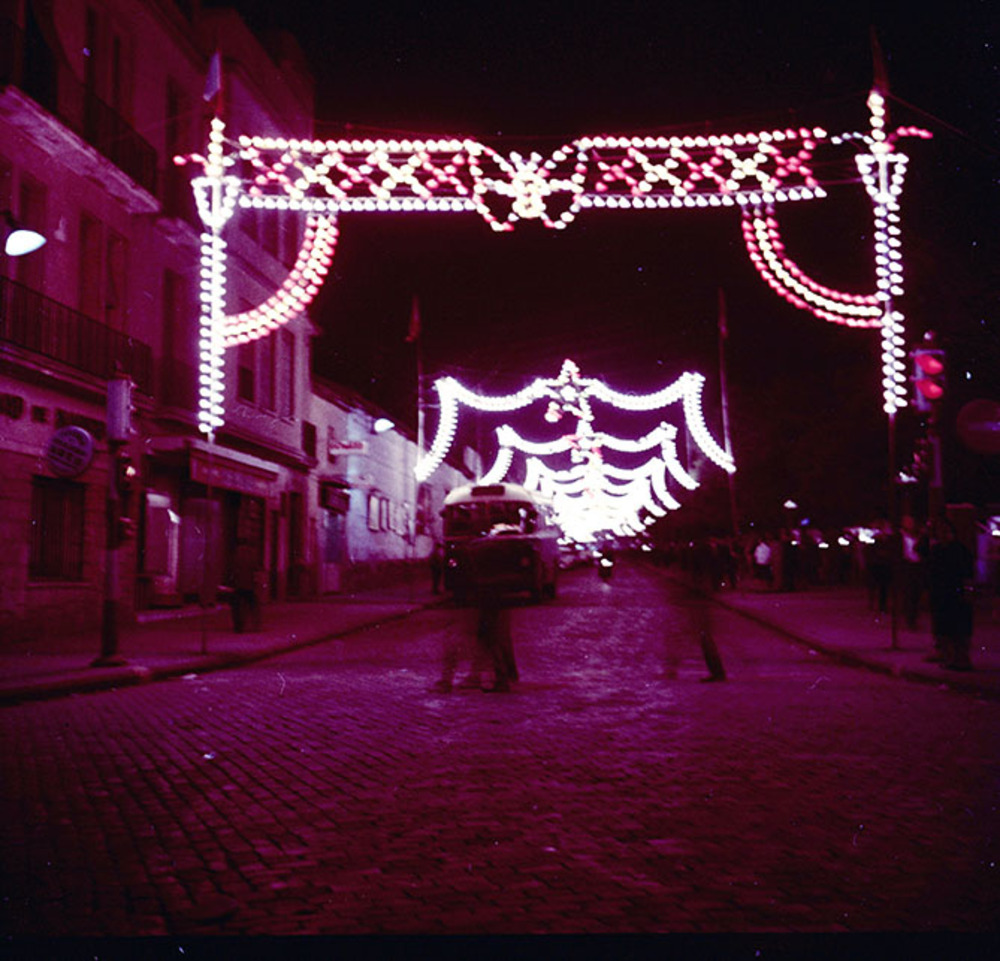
{"x":104,"y":679}
{"x":959,"y":683}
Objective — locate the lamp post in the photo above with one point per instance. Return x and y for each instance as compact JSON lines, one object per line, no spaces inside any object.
{"x":119,"y":426}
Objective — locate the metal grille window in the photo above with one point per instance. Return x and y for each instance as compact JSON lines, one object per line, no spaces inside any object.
{"x":56,"y":529}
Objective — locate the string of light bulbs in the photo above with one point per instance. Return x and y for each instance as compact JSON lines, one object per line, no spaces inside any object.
{"x":752,"y":171}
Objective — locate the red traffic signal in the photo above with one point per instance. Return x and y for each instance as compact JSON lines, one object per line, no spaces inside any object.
{"x":928,"y":377}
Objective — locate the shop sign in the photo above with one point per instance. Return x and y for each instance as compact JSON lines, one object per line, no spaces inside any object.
{"x":220,"y":472}
{"x":336,"y":446}
{"x":334,"y":498}
{"x":70,"y":451}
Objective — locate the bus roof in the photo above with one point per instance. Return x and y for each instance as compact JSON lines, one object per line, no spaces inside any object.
{"x":477,"y":493}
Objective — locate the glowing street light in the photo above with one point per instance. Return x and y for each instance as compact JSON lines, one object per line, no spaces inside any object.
{"x":19,"y":240}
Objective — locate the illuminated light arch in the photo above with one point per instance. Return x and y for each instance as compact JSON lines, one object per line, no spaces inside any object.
{"x":752,"y":171}
{"x":295,"y":294}
{"x":571,"y":393}
{"x":592,"y":494}
{"x":767,"y":252}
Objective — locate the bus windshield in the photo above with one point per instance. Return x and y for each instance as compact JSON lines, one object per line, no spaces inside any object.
{"x":497,"y":517}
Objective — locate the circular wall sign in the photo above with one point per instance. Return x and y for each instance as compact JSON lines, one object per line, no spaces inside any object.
{"x":70,"y":451}
{"x":979,"y":426}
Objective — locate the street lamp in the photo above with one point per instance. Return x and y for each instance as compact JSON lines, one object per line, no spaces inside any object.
{"x":381,"y":425}
{"x":17,"y":239}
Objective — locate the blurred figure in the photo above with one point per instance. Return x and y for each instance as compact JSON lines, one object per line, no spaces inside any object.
{"x":246,"y":606}
{"x":437,"y":567}
{"x":878,"y":563}
{"x":914,"y":545}
{"x":762,"y":559}
{"x":462,"y":643}
{"x":494,"y":634}
{"x":950,"y":571}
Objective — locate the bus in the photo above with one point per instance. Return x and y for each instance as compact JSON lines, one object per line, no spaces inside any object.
{"x":499,"y":537}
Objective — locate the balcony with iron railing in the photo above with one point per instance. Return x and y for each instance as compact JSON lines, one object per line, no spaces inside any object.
{"x":43,"y":326}
{"x":29,"y":64}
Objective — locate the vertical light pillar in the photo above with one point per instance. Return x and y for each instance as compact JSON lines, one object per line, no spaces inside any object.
{"x":883,"y":171}
{"x":215,"y":196}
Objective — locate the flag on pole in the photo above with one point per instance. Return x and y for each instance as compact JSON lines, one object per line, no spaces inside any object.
{"x":213,"y":80}
{"x":413,"y":334}
{"x":880,"y":76}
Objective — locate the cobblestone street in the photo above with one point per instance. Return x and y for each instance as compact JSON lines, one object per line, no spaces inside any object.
{"x":330,"y":791}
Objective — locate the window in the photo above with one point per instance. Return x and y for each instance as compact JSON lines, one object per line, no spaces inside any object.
{"x":270,"y":231}
{"x":288,"y":381}
{"x":6,"y":178}
{"x":268,"y":372}
{"x":107,"y":63}
{"x":248,"y":221}
{"x":178,"y":199}
{"x":425,"y":508}
{"x":56,"y":529}
{"x":309,"y":438}
{"x":246,"y":359}
{"x":180,"y":360}
{"x":289,"y":237}
{"x":379,"y":518}
{"x":32,"y":213}
{"x":116,"y":270}
{"x":90,"y":266}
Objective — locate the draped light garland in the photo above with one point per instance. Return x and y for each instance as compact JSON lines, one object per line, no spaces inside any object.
{"x":753,"y":171}
{"x":592,"y":494}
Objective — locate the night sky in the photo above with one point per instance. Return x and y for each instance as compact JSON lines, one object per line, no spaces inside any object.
{"x":632,"y":296}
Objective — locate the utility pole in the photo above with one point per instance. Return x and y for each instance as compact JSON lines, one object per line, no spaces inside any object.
{"x":119,"y":426}
{"x":723,"y":337}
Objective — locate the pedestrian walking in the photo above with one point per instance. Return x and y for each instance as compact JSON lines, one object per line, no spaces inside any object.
{"x":462,"y":643}
{"x":914,"y":545}
{"x":699,"y":604}
{"x":878,"y":563}
{"x":494,"y":633}
{"x":949,"y":572}
{"x":762,"y":560}
{"x":245,"y":604}
{"x":437,"y":567}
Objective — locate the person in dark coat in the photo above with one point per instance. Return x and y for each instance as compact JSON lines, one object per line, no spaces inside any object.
{"x":246,"y":606}
{"x":949,"y":573}
{"x":494,"y":634}
{"x":437,"y":568}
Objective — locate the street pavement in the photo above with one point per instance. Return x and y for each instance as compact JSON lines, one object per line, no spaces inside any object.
{"x":835,"y":621}
{"x":332,"y":790}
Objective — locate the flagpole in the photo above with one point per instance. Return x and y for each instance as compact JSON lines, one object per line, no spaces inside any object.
{"x":414,"y":337}
{"x":723,"y":337}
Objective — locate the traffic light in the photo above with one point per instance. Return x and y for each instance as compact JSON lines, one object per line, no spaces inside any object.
{"x":124,"y":530}
{"x":125,"y":474}
{"x":119,"y":409}
{"x":928,"y":377}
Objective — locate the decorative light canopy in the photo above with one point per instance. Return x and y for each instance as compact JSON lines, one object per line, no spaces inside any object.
{"x":592,"y":494}
{"x":753,"y":171}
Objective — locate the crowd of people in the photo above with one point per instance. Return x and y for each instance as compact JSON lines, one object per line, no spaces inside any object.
{"x":917,"y":565}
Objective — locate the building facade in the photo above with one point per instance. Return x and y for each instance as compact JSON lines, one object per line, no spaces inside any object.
{"x":97,"y":97}
{"x":372,"y":516}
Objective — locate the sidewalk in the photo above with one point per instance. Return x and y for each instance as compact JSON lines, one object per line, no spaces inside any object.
{"x":837,"y":621}
{"x":833,"y":621}
{"x":174,"y":643}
